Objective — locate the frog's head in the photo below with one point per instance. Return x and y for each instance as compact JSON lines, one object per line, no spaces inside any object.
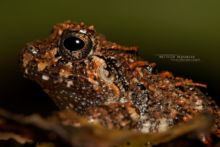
{"x":75,"y":66}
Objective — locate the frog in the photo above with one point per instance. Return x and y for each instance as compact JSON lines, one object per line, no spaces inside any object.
{"x":110,"y":84}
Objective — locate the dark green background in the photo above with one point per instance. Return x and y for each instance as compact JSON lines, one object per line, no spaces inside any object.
{"x":186,"y":27}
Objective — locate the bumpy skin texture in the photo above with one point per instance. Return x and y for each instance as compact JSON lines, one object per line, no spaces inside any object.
{"x":109,"y":84}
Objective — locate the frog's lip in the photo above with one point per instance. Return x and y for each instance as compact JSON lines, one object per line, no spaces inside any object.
{"x":79,"y":76}
{"x":66,"y":78}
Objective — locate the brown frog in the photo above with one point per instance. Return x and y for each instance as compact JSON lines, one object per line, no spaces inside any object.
{"x":109,"y":84}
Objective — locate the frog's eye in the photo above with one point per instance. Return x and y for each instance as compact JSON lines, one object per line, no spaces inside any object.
{"x":75,"y":45}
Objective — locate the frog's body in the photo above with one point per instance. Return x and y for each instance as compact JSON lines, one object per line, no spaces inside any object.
{"x":109,"y":84}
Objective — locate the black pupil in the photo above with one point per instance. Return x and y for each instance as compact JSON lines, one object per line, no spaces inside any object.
{"x":73,"y":43}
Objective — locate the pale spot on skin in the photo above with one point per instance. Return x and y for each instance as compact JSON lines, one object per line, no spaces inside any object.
{"x":131,"y":60}
{"x":83,"y":31}
{"x":67,"y":107}
{"x":163,"y":125}
{"x":69,"y":64}
{"x":65,"y":73}
{"x":45,"y":77}
{"x":71,"y":106}
{"x":91,"y":27}
{"x":60,"y":32}
{"x":26,"y":71}
{"x":198,"y":105}
{"x":91,"y":120}
{"x":146,"y":127}
{"x":34,"y":51}
{"x":69,"y":84}
{"x":123,"y":100}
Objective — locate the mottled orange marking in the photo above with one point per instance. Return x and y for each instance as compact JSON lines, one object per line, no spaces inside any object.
{"x":115,"y":89}
{"x":187,"y":118}
{"x":51,"y":53}
{"x":132,"y":111}
{"x":26,"y":59}
{"x":65,"y":72}
{"x":114,"y":46}
{"x":138,"y":64}
{"x":41,"y":66}
{"x":92,"y":28}
{"x":190,"y":83}
{"x":166,"y":74}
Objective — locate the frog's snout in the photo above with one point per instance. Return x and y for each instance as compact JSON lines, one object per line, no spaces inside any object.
{"x":26,"y":60}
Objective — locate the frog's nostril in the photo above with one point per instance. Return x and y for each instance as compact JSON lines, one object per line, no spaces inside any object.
{"x":31,"y":49}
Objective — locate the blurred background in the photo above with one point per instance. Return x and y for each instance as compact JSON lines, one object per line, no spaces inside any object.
{"x":180,"y":36}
